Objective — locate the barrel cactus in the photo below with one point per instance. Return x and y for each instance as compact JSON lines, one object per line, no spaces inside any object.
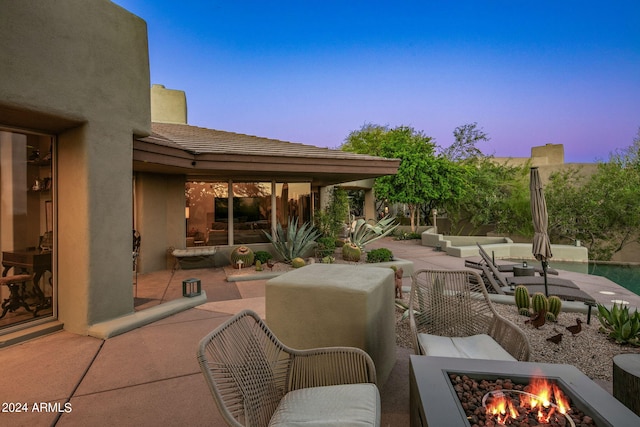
{"x":524,"y":311}
{"x":539,"y":303}
{"x":298,"y":262}
{"x":555,"y":304}
{"x":523,"y":300}
{"x":351,"y":252}
{"x":242,"y":256}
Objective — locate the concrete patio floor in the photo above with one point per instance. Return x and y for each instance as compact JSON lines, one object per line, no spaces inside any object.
{"x":149,"y":376}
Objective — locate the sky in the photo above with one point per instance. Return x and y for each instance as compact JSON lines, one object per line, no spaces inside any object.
{"x":528,"y":73}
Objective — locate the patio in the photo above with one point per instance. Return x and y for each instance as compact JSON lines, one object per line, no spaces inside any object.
{"x":150,"y":376}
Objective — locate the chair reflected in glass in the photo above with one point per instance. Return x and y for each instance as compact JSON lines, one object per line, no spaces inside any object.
{"x":28,"y":265}
{"x":17,"y":293}
{"x":136,"y":253}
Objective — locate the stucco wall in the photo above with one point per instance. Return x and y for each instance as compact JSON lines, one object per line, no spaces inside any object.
{"x":168,"y":105}
{"x":159,"y":218}
{"x":548,"y":159}
{"x":553,"y":153}
{"x":79,"y":69}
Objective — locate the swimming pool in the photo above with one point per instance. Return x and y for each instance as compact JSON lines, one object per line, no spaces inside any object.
{"x":625,"y":275}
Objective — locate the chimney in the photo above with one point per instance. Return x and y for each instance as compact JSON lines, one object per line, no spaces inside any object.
{"x":168,"y":105}
{"x":549,"y":154}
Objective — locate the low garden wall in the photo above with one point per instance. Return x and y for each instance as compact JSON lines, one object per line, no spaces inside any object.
{"x":499,"y":247}
{"x":407,"y":269}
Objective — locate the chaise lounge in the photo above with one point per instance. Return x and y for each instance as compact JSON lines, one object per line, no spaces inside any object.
{"x":565,"y":293}
{"x":486,"y":260}
{"x":506,"y":281}
{"x":565,"y":289}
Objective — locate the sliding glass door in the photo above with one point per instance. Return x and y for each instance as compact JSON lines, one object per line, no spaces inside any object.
{"x":27,"y":227}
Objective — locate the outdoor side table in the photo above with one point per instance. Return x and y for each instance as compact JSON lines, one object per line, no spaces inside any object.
{"x":523,"y":271}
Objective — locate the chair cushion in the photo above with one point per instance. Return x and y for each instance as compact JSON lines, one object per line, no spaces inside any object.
{"x":194,"y":251}
{"x":480,"y":346}
{"x":339,"y":405}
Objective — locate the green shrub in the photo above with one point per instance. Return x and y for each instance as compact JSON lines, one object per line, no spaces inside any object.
{"x":408,"y":236}
{"x":326,"y":246}
{"x":379,"y":255}
{"x":262,"y":256}
{"x":331,"y":221}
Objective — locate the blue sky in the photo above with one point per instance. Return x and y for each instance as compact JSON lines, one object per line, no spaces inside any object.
{"x":529,"y":73}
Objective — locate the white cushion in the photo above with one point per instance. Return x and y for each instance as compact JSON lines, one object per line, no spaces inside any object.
{"x":480,"y":346}
{"x":194,"y":251}
{"x":339,"y":405}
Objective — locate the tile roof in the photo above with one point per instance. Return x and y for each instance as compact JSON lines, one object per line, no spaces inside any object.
{"x":199,"y":140}
{"x":209,"y":154}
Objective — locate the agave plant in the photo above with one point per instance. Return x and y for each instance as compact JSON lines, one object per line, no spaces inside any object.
{"x":622,"y":326}
{"x":361,"y":233}
{"x":295,"y":242}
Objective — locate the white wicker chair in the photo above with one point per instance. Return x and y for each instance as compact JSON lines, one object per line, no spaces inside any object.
{"x":258,"y":381}
{"x":445,"y":303}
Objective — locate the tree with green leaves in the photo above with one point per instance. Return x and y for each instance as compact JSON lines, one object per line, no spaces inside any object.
{"x":496,"y":195}
{"x":423,"y":177}
{"x":369,"y":139}
{"x":601,"y":210}
{"x":464,"y":145}
{"x":332,"y":220}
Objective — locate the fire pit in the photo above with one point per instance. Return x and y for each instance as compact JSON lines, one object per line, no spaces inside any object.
{"x":504,"y":402}
{"x":436,"y":382}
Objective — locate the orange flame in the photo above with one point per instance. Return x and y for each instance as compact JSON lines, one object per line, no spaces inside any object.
{"x":541,"y":388}
{"x":502,"y":408}
{"x":542,"y":398}
{"x":562,"y":401}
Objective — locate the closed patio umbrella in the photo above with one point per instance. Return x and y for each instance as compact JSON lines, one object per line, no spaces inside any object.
{"x":541,"y":245}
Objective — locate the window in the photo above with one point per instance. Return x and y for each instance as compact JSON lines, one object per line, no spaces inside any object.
{"x":250,"y":215}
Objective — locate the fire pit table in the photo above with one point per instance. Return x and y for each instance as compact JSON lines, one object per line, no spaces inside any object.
{"x":434,"y":401}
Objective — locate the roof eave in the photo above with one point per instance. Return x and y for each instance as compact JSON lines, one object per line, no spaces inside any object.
{"x":159,"y":155}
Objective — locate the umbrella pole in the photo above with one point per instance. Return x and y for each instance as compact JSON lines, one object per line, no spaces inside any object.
{"x":545,"y":264}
